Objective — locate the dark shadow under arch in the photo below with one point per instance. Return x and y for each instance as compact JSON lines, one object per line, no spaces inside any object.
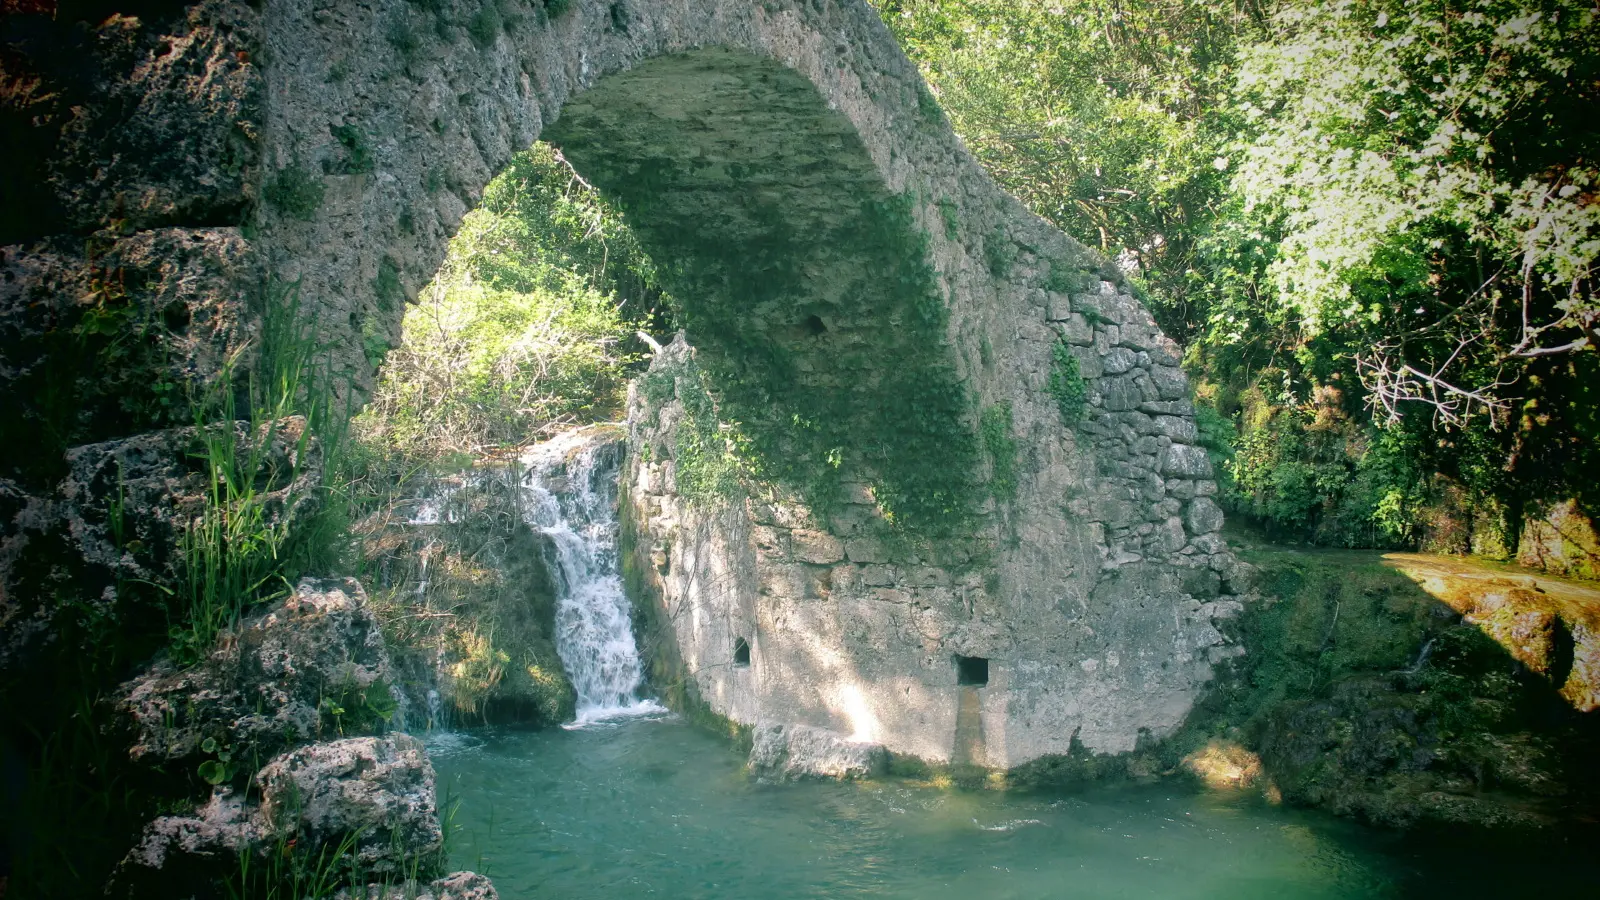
{"x":768,"y":216}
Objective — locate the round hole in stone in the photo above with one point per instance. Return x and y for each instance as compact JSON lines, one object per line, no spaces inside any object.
{"x":815,"y":326}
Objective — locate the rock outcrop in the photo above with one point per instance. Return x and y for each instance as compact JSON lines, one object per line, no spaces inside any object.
{"x":358,"y":808}
{"x":108,"y":537}
{"x":789,"y":752}
{"x":313,"y":666}
{"x":456,"y":886}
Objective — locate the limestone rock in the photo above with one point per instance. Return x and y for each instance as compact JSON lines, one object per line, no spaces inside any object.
{"x":111,"y":533}
{"x":168,"y":133}
{"x":1185,"y":461}
{"x":455,"y":886}
{"x":371,"y":799}
{"x":313,"y":665}
{"x":790,"y":752}
{"x":1204,"y":516}
{"x":380,"y":790}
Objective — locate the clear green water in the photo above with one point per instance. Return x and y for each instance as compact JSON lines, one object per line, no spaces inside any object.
{"x":659,"y":808}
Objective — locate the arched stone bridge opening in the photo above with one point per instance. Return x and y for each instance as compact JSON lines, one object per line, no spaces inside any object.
{"x":884,"y":322}
{"x":803,"y":280}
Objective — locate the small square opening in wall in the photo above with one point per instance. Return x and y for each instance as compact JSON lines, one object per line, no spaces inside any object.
{"x":741,"y":652}
{"x":972,"y":671}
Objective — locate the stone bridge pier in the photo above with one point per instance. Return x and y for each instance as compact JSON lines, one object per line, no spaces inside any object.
{"x":930,"y":547}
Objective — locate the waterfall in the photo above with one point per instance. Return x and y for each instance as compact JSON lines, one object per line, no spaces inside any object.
{"x":570,"y":495}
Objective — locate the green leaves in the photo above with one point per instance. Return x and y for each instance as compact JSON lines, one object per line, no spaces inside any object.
{"x":1067,"y":384}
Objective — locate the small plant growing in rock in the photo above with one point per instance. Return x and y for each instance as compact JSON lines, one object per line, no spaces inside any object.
{"x":1067,"y":384}
{"x":358,"y":153}
{"x":1000,"y":253}
{"x":1002,"y":447}
{"x":295,"y":192}
{"x":484,"y":26}
{"x":220,"y":767}
{"x":952,"y":222}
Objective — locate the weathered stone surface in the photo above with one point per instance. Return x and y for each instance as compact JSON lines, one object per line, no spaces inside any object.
{"x":169,"y":132}
{"x":363,"y":806}
{"x":378,"y":789}
{"x":274,"y":684}
{"x":1203,"y":516}
{"x":1186,"y":461}
{"x":110,"y":533}
{"x":219,"y":831}
{"x":868,"y":645}
{"x":788,"y":752}
{"x":455,"y":886}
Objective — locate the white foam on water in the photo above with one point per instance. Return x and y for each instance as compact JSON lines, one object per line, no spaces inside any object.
{"x":594,"y":629}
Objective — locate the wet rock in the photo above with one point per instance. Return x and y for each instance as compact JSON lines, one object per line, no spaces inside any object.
{"x":791,"y":752}
{"x":314,"y":665}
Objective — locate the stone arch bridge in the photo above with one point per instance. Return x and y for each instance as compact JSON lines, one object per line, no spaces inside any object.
{"x":882,"y":320}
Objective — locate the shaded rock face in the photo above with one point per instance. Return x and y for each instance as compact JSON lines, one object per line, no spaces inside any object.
{"x":1404,"y":690}
{"x":111,"y":531}
{"x":313,"y":666}
{"x":365,"y":806}
{"x":789,"y":752}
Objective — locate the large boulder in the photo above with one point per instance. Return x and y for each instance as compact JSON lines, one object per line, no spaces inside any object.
{"x":375,"y":795}
{"x":792,"y":752}
{"x":313,"y":666}
{"x":347,"y":810}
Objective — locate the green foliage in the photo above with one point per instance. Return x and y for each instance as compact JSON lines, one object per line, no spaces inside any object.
{"x":357,"y":152}
{"x":995,"y":426}
{"x":1313,"y":472}
{"x":528,"y":327}
{"x":950,"y":214}
{"x":1000,"y":252}
{"x":387,"y":285}
{"x":1067,"y":384}
{"x":555,"y":8}
{"x":485,"y":25}
{"x":707,"y":454}
{"x":1391,"y":200}
{"x":295,"y":191}
{"x":1097,"y":115}
{"x":403,"y":37}
{"x":912,"y":439}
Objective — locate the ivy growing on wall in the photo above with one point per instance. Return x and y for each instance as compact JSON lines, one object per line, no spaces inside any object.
{"x":1067,"y":384}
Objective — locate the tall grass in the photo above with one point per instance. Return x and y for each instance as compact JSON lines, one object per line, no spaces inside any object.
{"x":247,"y":546}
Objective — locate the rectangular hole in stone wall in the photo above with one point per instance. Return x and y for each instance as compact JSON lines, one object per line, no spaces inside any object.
{"x":972,"y":670}
{"x":741,"y":652}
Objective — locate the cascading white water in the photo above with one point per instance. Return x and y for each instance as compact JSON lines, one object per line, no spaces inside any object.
{"x":594,"y":635}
